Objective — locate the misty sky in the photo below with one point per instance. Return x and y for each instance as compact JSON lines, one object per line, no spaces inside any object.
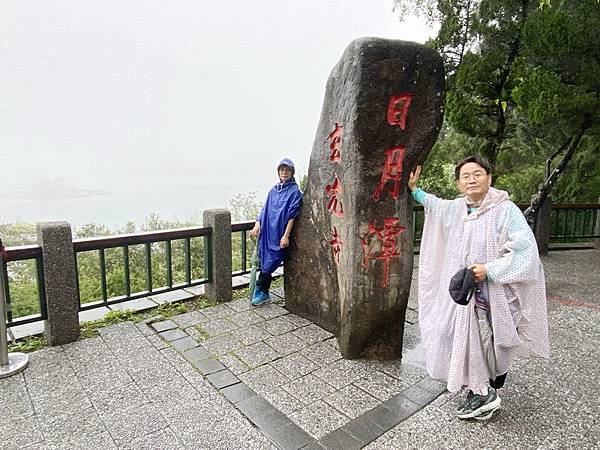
{"x":113,"y":109}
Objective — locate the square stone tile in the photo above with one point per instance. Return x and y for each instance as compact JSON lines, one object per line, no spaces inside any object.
{"x":246,"y":318}
{"x":237,"y":392}
{"x":181,"y":345}
{"x":234,"y":364}
{"x":196,"y":290}
{"x":222,"y":379}
{"x":138,"y":304}
{"x":270,"y":311}
{"x":217,"y":327}
{"x":189,"y":319}
{"x":85,"y":421}
{"x":322,"y":353}
{"x":318,"y":419}
{"x":196,"y":354}
{"x":163,"y":325}
{"x":263,"y":379}
{"x":218,"y":311}
{"x":286,"y":344}
{"x":279,"y":292}
{"x":294,"y":366}
{"x":298,"y":321}
{"x":171,"y":296}
{"x":341,"y":439}
{"x":195,"y":333}
{"x":311,"y":334}
{"x":343,"y":372}
{"x":20,"y":432}
{"x":128,"y":424}
{"x":282,"y":400}
{"x":208,"y":366}
{"x":221,"y":345}
{"x":83,"y":441}
{"x":406,"y":373}
{"x":380,"y":385}
{"x":257,"y":354}
{"x":173,"y":335}
{"x":162,"y":439}
{"x":278,"y":325}
{"x":117,"y":398}
{"x":240,"y":305}
{"x":251,"y":334}
{"x":308,"y":389}
{"x":351,"y":401}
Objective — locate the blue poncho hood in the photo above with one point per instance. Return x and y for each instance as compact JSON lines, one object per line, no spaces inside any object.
{"x":283,"y":204}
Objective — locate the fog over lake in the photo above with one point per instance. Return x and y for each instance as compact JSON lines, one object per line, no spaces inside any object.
{"x":111,"y":110}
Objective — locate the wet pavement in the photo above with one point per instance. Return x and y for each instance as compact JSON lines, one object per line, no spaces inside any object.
{"x":232,"y":376}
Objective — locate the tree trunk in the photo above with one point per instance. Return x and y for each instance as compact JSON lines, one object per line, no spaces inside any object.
{"x":538,"y":199}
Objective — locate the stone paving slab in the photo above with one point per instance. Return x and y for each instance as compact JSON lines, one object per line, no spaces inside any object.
{"x":275,"y":380}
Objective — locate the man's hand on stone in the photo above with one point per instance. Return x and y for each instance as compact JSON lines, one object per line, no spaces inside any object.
{"x":413,"y":179}
{"x":479,"y":271}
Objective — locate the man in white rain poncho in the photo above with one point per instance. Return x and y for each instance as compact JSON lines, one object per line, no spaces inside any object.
{"x":486,"y":232}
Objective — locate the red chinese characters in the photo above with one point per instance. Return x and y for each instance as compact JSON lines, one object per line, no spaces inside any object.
{"x":380,"y":243}
{"x":397,"y":110}
{"x":335,"y":141}
{"x":334,"y":205}
{"x":336,"y":245}
{"x":392,"y":172}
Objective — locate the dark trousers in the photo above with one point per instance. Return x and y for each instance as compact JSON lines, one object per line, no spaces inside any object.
{"x":499,"y":381}
{"x":264,"y":281}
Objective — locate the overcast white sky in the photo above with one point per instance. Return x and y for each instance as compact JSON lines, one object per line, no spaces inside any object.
{"x":113,"y":109}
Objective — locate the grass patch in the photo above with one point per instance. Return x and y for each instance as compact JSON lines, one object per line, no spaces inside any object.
{"x":166,"y":310}
{"x":28,"y":344}
{"x":88,"y":329}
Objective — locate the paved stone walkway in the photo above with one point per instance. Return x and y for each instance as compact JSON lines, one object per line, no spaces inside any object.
{"x":231,"y":377}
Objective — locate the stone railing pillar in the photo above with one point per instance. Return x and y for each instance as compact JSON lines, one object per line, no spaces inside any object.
{"x":542,"y":227}
{"x":597,"y":229}
{"x":60,"y":278}
{"x":219,"y":287}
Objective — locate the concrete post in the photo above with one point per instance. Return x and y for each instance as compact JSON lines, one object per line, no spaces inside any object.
{"x":219,"y":287}
{"x":597,"y":229}
{"x":542,"y":226}
{"x":60,"y":281}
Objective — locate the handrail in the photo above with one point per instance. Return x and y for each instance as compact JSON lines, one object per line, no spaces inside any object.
{"x":571,"y":222}
{"x":103,"y":242}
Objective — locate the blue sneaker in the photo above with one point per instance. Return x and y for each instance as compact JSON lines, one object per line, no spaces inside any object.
{"x":260,"y":297}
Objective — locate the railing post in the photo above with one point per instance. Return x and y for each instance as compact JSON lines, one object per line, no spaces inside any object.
{"x":10,"y":363}
{"x":597,"y":229}
{"x":60,"y":280}
{"x":219,"y":286}
{"x":542,"y":226}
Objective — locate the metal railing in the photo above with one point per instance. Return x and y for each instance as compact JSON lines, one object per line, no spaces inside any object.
{"x":21,"y":255}
{"x":574,"y":223}
{"x":149,"y":253}
{"x":570,"y":223}
{"x":239,"y":234}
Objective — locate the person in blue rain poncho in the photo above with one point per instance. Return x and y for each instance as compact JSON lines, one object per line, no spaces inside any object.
{"x":273,"y":227}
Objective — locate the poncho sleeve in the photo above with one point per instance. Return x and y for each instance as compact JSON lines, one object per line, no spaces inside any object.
{"x":294,"y":205}
{"x":520,"y":258}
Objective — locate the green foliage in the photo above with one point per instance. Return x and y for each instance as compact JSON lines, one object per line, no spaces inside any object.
{"x":18,"y":234}
{"x":523,"y":76}
{"x":27,"y":345}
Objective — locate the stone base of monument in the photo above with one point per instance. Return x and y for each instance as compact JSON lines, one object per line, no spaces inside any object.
{"x":351,"y":252}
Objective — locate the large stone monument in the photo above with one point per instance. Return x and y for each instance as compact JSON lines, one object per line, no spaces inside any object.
{"x":351,"y":255}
